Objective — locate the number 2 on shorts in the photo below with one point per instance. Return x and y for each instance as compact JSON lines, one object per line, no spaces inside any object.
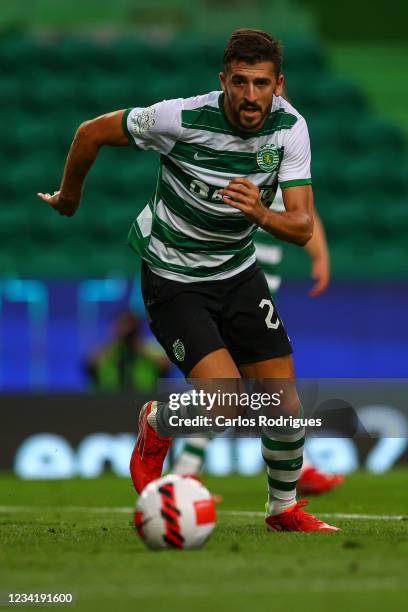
{"x":268,"y":318}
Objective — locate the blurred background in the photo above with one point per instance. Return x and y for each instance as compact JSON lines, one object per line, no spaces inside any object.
{"x":70,"y":305}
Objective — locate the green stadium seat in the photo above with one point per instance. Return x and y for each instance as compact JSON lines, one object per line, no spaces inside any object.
{"x":47,"y":260}
{"x":32,"y":174}
{"x":130,"y":54}
{"x":13,"y":221}
{"x":8,"y":264}
{"x":302,"y":55}
{"x":11,"y":91}
{"x":374,"y":173}
{"x":30,"y":132}
{"x":325,"y":92}
{"x":322,"y":169}
{"x":105,"y":223}
{"x":48,"y":89}
{"x":368,"y":133}
{"x":130,"y":179}
{"x":116,"y":260}
{"x":45,"y":223}
{"x":324,"y":132}
{"x":19,"y":52}
{"x":115,"y":91}
{"x":73,"y":54}
{"x":9,"y":144}
{"x":391,"y":217}
{"x":345,"y":262}
{"x":362,"y":260}
{"x":348,"y":218}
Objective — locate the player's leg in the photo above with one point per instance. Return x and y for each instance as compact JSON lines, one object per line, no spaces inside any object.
{"x":260,"y":345}
{"x":258,"y":342}
{"x":205,"y":376}
{"x":156,"y":418}
{"x":282,"y":447}
{"x":282,"y":450}
{"x":184,"y":320}
{"x":192,"y":456}
{"x":313,"y":481}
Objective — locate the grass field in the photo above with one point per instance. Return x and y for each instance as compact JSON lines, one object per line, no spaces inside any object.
{"x":77,"y":536}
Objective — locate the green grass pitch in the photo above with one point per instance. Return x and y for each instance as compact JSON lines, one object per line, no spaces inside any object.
{"x":61,"y":536}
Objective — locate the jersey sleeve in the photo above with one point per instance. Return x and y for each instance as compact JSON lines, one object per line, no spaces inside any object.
{"x":295,"y":167}
{"x":156,"y":127}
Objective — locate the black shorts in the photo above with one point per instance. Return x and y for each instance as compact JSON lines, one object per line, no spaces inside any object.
{"x":191,"y":320}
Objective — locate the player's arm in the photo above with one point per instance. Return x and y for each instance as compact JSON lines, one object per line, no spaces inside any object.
{"x":89,"y":138}
{"x":295,"y":224}
{"x":318,"y":252}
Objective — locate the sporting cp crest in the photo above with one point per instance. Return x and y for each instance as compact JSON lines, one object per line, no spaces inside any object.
{"x":267,"y":157}
{"x":179,"y":350}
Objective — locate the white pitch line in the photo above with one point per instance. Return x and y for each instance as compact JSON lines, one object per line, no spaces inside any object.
{"x":89,"y":509}
{"x":127,"y":510}
{"x":369,"y":517}
{"x":340,"y":515}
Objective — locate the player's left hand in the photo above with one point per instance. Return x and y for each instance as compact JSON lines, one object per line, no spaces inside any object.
{"x":58,"y":203}
{"x":240,"y":193}
{"x":321,"y":276}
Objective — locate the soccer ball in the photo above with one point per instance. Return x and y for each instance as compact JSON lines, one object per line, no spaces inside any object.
{"x":175,"y":512}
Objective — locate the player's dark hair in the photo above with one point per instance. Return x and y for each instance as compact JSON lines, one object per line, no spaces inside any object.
{"x":252,"y":46}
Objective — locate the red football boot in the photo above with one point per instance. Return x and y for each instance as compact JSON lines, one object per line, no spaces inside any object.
{"x":296,"y":519}
{"x":313,"y":482}
{"x":150,"y":451}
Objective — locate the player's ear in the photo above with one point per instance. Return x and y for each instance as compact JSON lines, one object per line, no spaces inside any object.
{"x":280,"y":86}
{"x":222,"y":80}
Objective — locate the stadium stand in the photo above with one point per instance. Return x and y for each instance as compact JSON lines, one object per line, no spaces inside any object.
{"x":48,"y":87}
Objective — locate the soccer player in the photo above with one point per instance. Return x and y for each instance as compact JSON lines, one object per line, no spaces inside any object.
{"x":222,"y":156}
{"x":312,"y":481}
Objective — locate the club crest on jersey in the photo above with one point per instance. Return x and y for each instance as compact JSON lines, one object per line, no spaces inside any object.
{"x":143,"y":120}
{"x":179,"y":350}
{"x":267,"y":157}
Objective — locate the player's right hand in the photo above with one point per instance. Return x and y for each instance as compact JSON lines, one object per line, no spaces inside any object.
{"x":58,"y":203}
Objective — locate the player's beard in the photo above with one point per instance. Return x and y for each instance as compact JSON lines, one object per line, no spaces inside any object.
{"x":247,"y":123}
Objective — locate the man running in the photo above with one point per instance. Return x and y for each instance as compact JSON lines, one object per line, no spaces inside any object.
{"x":223,"y":155}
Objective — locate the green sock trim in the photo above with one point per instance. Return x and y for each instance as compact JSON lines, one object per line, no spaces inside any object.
{"x":193,"y":450}
{"x":275,"y":445}
{"x":282,"y":486}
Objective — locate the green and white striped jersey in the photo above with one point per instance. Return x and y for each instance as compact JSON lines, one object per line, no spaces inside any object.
{"x":186,"y":232}
{"x":268,"y":251}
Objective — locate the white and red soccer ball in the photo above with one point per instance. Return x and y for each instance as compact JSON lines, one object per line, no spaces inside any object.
{"x":175,"y":512}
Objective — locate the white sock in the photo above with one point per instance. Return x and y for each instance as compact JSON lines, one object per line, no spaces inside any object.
{"x":191,"y":458}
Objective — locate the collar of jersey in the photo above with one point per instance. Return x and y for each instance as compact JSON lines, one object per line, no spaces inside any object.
{"x":228,"y":124}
